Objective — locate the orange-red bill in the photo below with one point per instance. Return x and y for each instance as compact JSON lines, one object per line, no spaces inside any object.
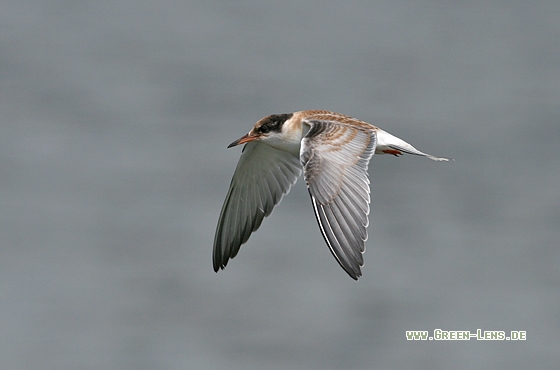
{"x":242,"y":140}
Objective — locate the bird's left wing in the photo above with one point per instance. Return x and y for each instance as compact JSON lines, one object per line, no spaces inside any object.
{"x":335,"y":159}
{"x":263,"y":175}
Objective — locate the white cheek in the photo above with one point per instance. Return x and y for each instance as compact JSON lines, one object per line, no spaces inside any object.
{"x":287,"y":143}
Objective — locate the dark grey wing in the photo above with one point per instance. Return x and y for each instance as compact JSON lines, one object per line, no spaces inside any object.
{"x":263,"y":175}
{"x":335,"y":159}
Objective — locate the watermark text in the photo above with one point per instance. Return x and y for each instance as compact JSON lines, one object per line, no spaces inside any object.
{"x":480,"y":334}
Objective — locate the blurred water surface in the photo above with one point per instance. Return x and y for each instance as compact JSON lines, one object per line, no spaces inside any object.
{"x":114,"y":122}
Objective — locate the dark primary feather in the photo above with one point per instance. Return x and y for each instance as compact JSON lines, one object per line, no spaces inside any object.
{"x":263,"y":175}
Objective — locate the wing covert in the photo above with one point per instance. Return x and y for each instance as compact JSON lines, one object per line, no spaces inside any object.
{"x":335,"y":158}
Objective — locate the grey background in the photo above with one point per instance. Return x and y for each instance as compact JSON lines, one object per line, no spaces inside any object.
{"x":114,"y":122}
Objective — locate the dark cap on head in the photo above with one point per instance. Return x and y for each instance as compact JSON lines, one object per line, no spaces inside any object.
{"x":273,"y":123}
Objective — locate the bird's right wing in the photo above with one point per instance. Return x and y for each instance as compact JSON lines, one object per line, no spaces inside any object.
{"x":335,"y":159}
{"x":263,"y":175}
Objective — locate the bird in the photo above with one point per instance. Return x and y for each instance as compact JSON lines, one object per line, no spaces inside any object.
{"x":333,"y":152}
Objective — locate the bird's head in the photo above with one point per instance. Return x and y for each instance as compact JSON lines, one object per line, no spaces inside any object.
{"x":268,"y":129}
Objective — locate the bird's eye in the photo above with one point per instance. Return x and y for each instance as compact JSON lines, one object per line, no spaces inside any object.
{"x":264,"y":129}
